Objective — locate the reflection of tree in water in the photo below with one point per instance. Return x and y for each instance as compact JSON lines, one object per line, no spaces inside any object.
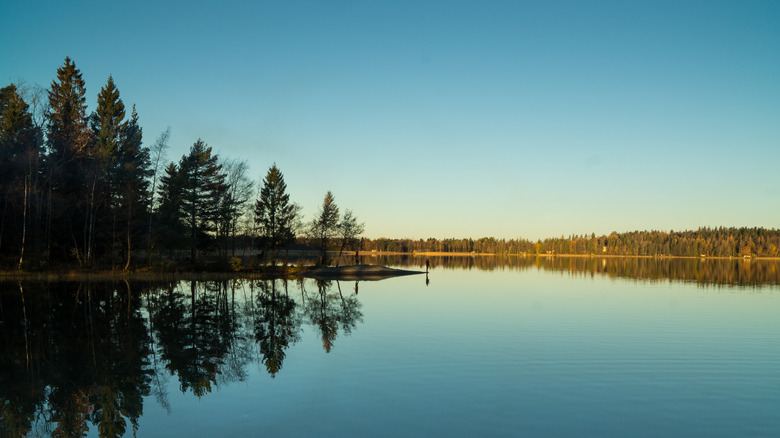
{"x":84,"y":358}
{"x":75,"y":354}
{"x":276,"y":325}
{"x":350,"y":310}
{"x":703,"y":271}
{"x":196,"y":331}
{"x":327,"y":310}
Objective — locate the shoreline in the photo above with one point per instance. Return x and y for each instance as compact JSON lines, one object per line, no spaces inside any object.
{"x":297,"y":271}
{"x":478,"y":254}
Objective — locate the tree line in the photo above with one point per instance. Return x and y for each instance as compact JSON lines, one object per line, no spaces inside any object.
{"x":707,"y":242}
{"x":83,"y":189}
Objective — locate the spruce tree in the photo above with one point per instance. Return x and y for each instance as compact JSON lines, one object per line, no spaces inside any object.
{"x":169,"y":226}
{"x":108,"y":122}
{"x":108,"y":127}
{"x":325,"y":225}
{"x":67,"y":122}
{"x":274,"y":212}
{"x":19,"y":157}
{"x":68,"y":137}
{"x":203,"y":184}
{"x":132,"y":177}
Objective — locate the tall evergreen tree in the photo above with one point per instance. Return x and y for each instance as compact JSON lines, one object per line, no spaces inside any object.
{"x":108,"y":127}
{"x":274,"y":212}
{"x":325,"y":225}
{"x":17,"y":132}
{"x":68,"y":137}
{"x":67,"y":127}
{"x":169,"y":222}
{"x":108,"y":122}
{"x":203,"y":184}
{"x":20,"y":153}
{"x":132,"y":180}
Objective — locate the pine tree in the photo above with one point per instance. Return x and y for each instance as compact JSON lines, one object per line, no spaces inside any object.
{"x":108,"y":127}
{"x":67,"y":127}
{"x":275,"y":213}
{"x":324,"y":226}
{"x":68,"y":137}
{"x":132,"y":179}
{"x":203,"y":185}
{"x":108,"y":122}
{"x":169,"y":222}
{"x":19,"y":157}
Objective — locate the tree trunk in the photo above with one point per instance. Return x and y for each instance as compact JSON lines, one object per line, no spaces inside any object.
{"x":26,"y":340}
{"x":89,"y":228}
{"x":113,"y":239}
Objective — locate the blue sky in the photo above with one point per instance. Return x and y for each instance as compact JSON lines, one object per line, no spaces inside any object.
{"x":450,"y":118}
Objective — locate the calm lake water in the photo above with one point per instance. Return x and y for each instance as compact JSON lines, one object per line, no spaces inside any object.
{"x":479,"y":347}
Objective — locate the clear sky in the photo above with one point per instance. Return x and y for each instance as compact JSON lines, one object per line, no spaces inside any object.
{"x":450,"y":118}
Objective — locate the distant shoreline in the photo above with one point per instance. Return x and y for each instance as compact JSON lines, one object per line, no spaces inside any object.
{"x":477,"y":254}
{"x":294,"y":270}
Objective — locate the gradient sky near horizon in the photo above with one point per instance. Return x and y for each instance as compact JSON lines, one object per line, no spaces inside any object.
{"x":450,"y":118}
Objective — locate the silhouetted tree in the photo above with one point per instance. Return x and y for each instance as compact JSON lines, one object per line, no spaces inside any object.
{"x":100,"y":171}
{"x":68,"y":137}
{"x":348,"y":230}
{"x":20,"y":152}
{"x":236,"y":191}
{"x":203,"y":184}
{"x":169,"y":226}
{"x":325,"y":225}
{"x":157,"y":154}
{"x":132,"y":178}
{"x":275,"y":214}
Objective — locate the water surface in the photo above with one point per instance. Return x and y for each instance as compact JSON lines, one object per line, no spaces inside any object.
{"x":548,"y":348}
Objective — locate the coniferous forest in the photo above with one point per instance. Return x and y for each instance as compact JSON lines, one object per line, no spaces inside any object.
{"x":704,"y":242}
{"x":88,"y":190}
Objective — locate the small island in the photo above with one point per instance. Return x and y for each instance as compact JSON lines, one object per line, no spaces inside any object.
{"x":357,"y":273}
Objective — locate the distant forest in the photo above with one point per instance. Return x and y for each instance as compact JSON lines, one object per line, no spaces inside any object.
{"x":709,"y":242}
{"x":80,"y":189}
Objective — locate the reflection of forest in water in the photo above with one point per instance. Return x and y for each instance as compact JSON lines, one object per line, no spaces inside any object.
{"x":736,"y":271}
{"x":79,"y":353}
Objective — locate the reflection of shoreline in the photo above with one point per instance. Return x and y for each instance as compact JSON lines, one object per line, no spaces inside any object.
{"x":81,"y":356}
{"x":585,"y":256}
{"x":704,"y":271}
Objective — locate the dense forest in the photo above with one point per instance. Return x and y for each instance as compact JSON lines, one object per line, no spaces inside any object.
{"x":80,"y":189}
{"x":708,"y":242}
{"x":84,"y":190}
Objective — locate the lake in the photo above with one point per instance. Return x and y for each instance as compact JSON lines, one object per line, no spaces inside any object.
{"x":481,"y":346}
